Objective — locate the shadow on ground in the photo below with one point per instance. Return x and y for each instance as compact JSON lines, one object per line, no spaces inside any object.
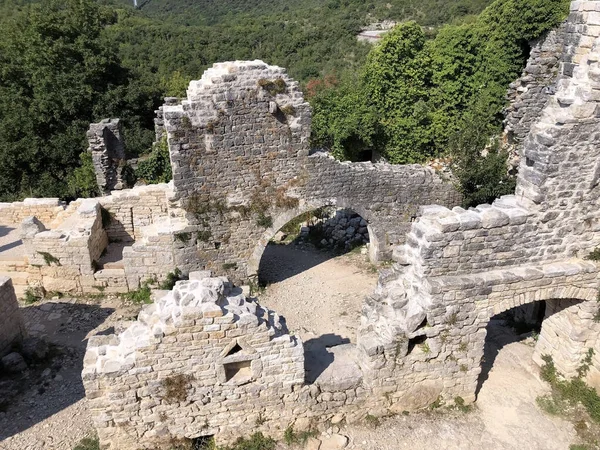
{"x":499,"y":334}
{"x":282,"y":261}
{"x":54,"y":383}
{"x":4,"y":232}
{"x":316,"y":357}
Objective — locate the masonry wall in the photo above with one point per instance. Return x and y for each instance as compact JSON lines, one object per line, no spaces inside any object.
{"x":459,"y":268}
{"x":12,"y":328}
{"x":240,"y":156}
{"x":47,"y":210}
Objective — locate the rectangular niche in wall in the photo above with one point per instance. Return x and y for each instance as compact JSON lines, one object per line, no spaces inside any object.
{"x":238,"y":372}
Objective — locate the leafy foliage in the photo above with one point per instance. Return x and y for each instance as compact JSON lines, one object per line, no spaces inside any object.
{"x":419,"y":97}
{"x":156,"y":168}
{"x":58,"y":73}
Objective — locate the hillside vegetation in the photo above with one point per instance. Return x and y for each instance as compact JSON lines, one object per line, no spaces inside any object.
{"x":66,"y":63}
{"x":418,"y":98}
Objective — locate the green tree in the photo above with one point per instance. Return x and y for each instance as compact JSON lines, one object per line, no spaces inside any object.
{"x":57,"y":74}
{"x":479,"y":163}
{"x":343,"y":121}
{"x":397,"y":79}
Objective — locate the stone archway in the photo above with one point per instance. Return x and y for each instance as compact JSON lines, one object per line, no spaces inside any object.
{"x":286,"y":216}
{"x":242,"y":165}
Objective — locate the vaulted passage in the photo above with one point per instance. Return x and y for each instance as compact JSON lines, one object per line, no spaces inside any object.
{"x":549,"y":327}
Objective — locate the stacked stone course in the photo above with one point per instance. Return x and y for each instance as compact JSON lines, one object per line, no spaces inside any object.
{"x":108,"y":154}
{"x":47,"y":210}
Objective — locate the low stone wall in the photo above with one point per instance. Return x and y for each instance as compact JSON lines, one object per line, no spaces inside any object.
{"x":132,"y":209}
{"x":47,"y":210}
{"x":12,"y":327}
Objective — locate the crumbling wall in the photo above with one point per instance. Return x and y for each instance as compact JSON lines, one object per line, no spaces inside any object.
{"x":459,"y":268}
{"x":108,"y":154}
{"x":178,"y":371}
{"x":240,"y":156}
{"x":12,"y":327}
{"x":132,"y":209}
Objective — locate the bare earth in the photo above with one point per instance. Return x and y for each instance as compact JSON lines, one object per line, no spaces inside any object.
{"x":323,"y":299}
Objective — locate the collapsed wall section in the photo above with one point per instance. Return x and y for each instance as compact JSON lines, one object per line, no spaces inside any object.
{"x":201,"y":360}
{"x":107,"y":149}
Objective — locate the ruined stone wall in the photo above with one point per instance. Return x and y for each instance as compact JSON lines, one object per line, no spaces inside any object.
{"x":64,"y":259}
{"x":458,"y":268}
{"x":12,"y":327}
{"x":240,"y":156}
{"x":132,"y":209}
{"x":108,"y":154}
{"x":47,"y":210}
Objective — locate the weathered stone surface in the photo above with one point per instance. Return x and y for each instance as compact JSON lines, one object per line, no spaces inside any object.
{"x":34,"y":349}
{"x":334,"y":442}
{"x":13,"y":363}
{"x":12,"y":327}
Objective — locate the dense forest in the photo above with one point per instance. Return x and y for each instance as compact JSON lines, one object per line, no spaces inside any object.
{"x":417,"y":94}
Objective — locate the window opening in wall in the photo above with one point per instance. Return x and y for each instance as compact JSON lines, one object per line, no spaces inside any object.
{"x":238,"y":371}
{"x":236,"y":349}
{"x":416,"y":341}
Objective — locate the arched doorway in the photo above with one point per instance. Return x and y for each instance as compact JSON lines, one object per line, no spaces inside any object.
{"x":315,"y":272}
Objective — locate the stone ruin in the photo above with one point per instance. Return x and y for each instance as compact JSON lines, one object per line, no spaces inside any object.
{"x":108,"y":154}
{"x":12,"y":330}
{"x":422,"y":331}
{"x":205,"y":360}
{"x":242,"y":168}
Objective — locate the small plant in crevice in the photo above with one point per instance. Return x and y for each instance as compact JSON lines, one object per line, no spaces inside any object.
{"x":291,"y":437}
{"x":88,"y":443}
{"x":594,"y":255}
{"x":176,"y":388}
{"x":260,"y":420}
{"x":437,"y":404}
{"x":425,"y":348}
{"x":459,"y":404}
{"x":203,"y":236}
{"x":32,"y":295}
{"x":372,"y":421}
{"x":142,"y":295}
{"x":49,"y":259}
{"x":264,"y":220}
{"x":463,"y":368}
{"x":171,"y":278}
{"x":256,"y":286}
{"x":230,"y":266}
{"x":183,"y":237}
{"x":273,"y":87}
{"x":452,"y":319}
{"x":288,"y":110}
{"x":257,"y":441}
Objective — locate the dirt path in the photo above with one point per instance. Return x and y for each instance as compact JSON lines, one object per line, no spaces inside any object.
{"x":316,"y":293}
